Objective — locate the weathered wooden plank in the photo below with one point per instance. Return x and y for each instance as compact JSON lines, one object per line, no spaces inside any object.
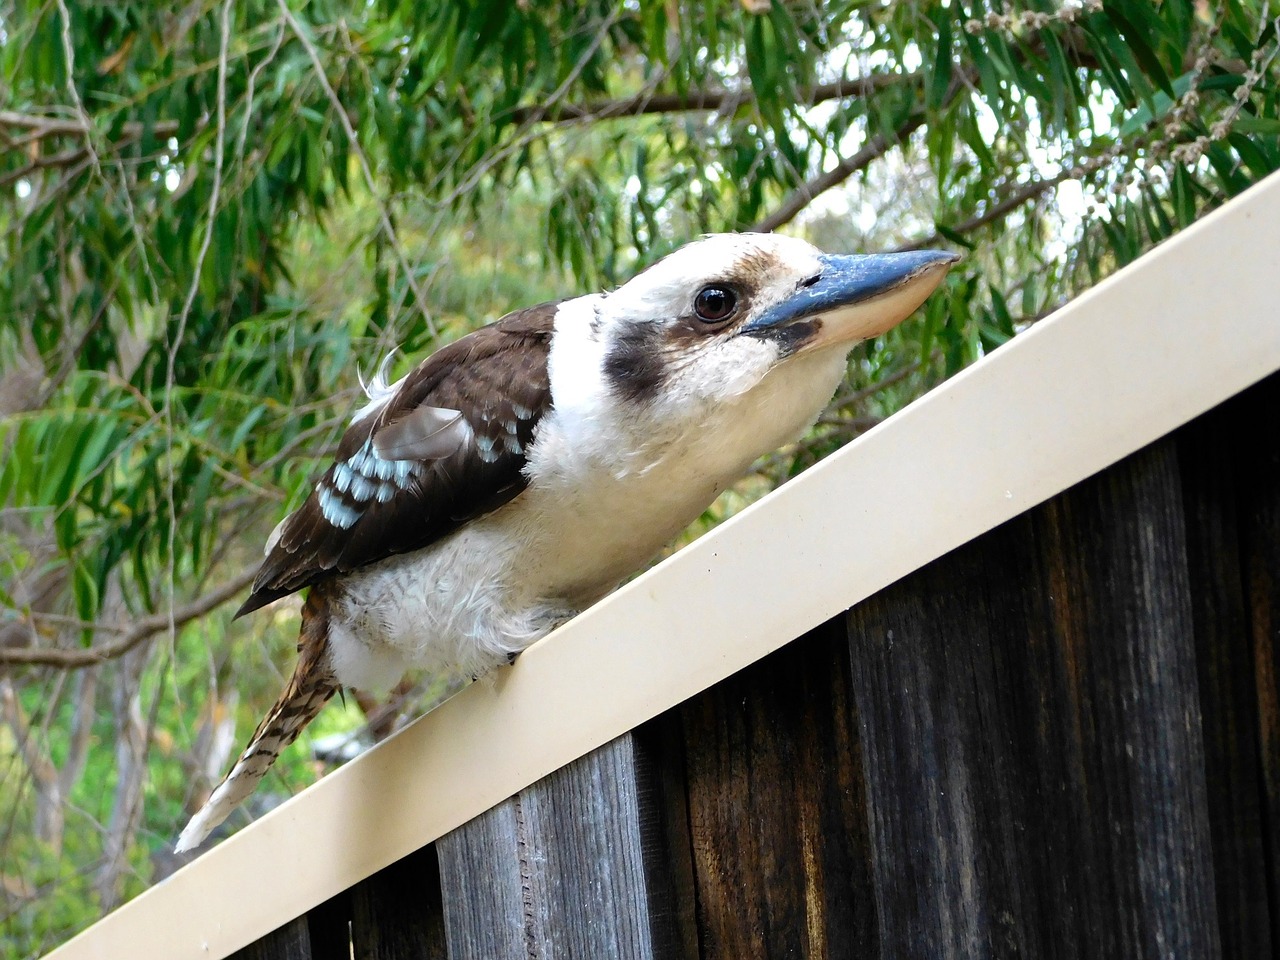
{"x":1031,"y":728}
{"x":776,"y":810}
{"x":564,"y":869}
{"x":586,"y":821}
{"x":397,"y":913}
{"x":484,"y":897}
{"x":1217,"y":453}
{"x":1256,"y":422}
{"x":942,"y":755}
{"x":289,"y":942}
{"x":329,"y":928}
{"x":668,"y":855}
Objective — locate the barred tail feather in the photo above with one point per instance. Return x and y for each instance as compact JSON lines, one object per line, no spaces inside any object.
{"x":308,"y":690}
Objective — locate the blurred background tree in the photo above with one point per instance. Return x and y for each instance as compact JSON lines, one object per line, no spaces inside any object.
{"x":212,"y":213}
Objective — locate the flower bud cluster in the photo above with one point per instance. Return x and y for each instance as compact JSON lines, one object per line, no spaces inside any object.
{"x":1014,"y":24}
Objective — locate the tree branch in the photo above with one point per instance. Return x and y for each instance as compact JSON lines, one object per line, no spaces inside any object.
{"x":38,"y":127}
{"x":130,"y":637}
{"x":807,"y":192}
{"x":64,"y":158}
{"x":714,"y":100}
{"x":996,"y":211}
{"x":855,"y":397}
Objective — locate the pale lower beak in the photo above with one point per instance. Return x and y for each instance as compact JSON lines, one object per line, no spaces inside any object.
{"x":854,"y":297}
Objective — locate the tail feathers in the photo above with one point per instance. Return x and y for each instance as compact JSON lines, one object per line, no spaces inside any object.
{"x":308,"y":690}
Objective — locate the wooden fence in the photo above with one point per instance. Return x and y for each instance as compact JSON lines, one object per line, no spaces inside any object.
{"x":1059,"y":740}
{"x":999,"y":679}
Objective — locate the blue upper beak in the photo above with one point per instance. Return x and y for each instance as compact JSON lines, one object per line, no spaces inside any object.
{"x":848,"y":280}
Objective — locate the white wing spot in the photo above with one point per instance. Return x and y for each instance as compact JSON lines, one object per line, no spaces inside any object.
{"x":335,"y":511}
{"x":362,"y":488}
{"x":342,"y":477}
{"x":485,"y":445}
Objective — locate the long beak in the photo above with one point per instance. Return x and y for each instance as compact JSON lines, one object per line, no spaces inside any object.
{"x":856,"y":297}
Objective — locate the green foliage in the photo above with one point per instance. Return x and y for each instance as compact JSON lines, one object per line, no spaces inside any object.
{"x":210,"y":215}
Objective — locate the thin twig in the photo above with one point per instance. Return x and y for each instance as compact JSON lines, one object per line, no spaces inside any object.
{"x":130,"y":637}
{"x":38,"y":127}
{"x":527,"y":134}
{"x":68,"y":51}
{"x":383,"y":218}
{"x":996,"y":211}
{"x":855,"y":397}
{"x":641,"y":104}
{"x":807,"y":192}
{"x":45,"y":161}
{"x":175,"y":344}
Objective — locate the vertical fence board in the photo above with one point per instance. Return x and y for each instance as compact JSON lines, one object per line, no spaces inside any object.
{"x":662,"y":790}
{"x":946,"y":729}
{"x":1032,"y":733}
{"x":329,"y":928}
{"x":592,"y":900}
{"x":484,"y":896}
{"x":1217,"y":453}
{"x":289,"y":942}
{"x":566,"y":869}
{"x":1121,"y":543}
{"x":779,"y":836}
{"x":397,"y":913}
{"x":1256,"y":421}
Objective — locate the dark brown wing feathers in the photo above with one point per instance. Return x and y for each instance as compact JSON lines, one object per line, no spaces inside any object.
{"x":445,"y":472}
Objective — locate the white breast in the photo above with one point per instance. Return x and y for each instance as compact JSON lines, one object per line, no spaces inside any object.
{"x":610,"y":491}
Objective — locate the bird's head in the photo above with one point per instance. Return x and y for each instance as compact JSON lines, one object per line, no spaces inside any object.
{"x":712,"y":319}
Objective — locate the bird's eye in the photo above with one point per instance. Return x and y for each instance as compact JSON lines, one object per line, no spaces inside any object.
{"x":713,"y":304}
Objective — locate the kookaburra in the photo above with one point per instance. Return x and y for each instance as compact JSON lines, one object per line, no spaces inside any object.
{"x":515,"y":476}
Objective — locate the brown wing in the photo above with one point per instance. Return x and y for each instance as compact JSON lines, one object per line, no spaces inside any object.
{"x":448,"y":446}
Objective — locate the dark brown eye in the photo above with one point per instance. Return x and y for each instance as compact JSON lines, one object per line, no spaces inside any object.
{"x":713,"y":304}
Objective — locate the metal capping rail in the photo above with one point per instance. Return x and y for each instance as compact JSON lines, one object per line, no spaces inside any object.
{"x":1148,"y":349}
